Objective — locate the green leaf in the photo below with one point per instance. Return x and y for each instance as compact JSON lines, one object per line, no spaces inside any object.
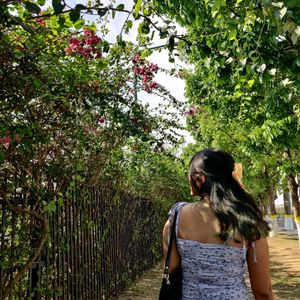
{"x":80,"y":7}
{"x":32,"y":7}
{"x":74,"y":15}
{"x":121,"y":43}
{"x":105,"y":46}
{"x":171,"y":60}
{"x":238,"y":94}
{"x":137,"y":7}
{"x":146,"y":12}
{"x":144,"y":27}
{"x":79,"y":24}
{"x":251,"y":82}
{"x":19,"y":54}
{"x":61,"y":20}
{"x":129,"y":24}
{"x":51,"y":206}
{"x":120,"y":7}
{"x":232,"y":35}
{"x":2,"y":155}
{"x":37,"y":83}
{"x":102,"y":11}
{"x":57,"y":6}
{"x":171,"y":43}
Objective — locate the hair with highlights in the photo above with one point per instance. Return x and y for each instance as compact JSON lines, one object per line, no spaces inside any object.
{"x":235,"y":208}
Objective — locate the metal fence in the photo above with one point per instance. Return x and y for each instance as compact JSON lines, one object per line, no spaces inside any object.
{"x":99,"y":241}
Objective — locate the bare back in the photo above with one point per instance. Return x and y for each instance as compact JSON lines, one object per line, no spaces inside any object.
{"x":198,"y":223}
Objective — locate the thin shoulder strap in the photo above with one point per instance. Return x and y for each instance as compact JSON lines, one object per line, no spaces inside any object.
{"x":178,"y":217}
{"x":177,"y":220}
{"x":172,"y":236}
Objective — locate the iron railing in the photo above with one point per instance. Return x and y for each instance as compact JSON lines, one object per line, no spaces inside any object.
{"x":99,"y":241}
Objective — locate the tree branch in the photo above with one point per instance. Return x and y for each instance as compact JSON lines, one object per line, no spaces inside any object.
{"x":39,"y":248}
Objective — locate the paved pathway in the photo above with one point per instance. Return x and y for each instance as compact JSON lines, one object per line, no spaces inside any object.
{"x":285,"y":272}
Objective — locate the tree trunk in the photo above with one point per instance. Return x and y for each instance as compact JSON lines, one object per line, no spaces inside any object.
{"x":287,"y":203}
{"x":273,"y":218}
{"x":288,"y":216}
{"x":271,"y":200}
{"x":293,"y":188}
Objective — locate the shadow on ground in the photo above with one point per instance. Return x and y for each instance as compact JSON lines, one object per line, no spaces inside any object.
{"x":285,"y":267}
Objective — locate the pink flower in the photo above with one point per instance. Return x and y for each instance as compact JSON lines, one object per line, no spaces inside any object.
{"x":153,"y":67}
{"x":89,"y":41}
{"x":192,"y":111}
{"x":41,"y":22}
{"x":84,"y":46}
{"x":143,"y":71}
{"x":101,"y":120}
{"x":136,"y":58}
{"x":5,"y":141}
{"x":137,"y":70}
{"x":87,"y":50}
{"x":74,"y":40}
{"x":96,"y":39}
{"x":69,"y":50}
{"x":146,"y":78}
{"x":147,"y":88}
{"x":153,"y":85}
{"x":88,"y":32}
{"x":74,"y":47}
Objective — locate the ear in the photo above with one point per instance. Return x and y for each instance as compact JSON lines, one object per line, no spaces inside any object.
{"x":200,"y":179}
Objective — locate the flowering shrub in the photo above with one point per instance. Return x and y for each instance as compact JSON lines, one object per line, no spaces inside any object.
{"x":41,"y":21}
{"x":145,"y":70}
{"x":7,"y":139}
{"x":86,"y":46}
{"x":71,"y":122}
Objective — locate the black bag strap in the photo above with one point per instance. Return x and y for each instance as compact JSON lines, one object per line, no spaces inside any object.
{"x":172,"y":236}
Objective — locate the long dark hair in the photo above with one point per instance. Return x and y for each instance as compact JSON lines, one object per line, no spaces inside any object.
{"x":235,"y":208}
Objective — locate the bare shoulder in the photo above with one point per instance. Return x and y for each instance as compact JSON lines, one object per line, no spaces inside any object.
{"x":186,"y":208}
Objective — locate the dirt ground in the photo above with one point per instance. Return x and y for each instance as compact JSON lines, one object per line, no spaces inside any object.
{"x":285,"y":266}
{"x":285,"y":273}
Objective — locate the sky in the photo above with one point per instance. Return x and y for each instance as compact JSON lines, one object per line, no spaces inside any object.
{"x":175,"y":85}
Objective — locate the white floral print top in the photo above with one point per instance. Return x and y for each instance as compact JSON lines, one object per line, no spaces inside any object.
{"x":211,"y":271}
